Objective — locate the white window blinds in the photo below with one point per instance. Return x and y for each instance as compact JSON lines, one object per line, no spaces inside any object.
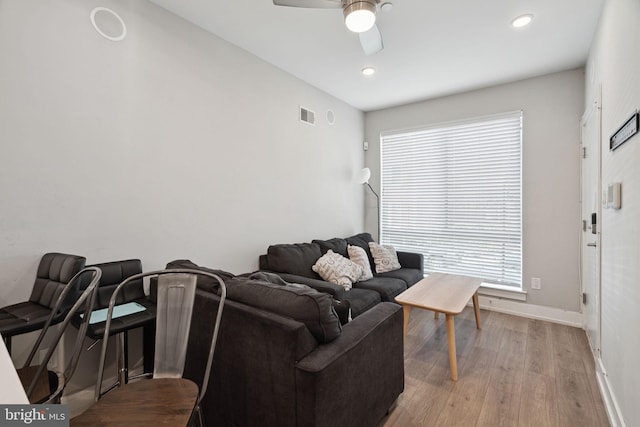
{"x":453,"y":193}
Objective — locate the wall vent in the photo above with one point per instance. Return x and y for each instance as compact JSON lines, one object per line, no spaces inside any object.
{"x":307,"y":116}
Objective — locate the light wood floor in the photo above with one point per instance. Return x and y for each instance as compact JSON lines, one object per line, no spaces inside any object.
{"x":513,"y":372}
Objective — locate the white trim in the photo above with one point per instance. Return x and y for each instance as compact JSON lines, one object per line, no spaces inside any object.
{"x":550,"y":314}
{"x":611,"y":405}
{"x":502,"y":291}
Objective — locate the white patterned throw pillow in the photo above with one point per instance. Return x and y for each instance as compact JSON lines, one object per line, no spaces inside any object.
{"x":385,"y":257}
{"x":359,"y":256}
{"x":337,"y":269}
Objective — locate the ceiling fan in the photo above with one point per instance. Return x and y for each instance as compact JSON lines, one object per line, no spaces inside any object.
{"x":359,"y":17}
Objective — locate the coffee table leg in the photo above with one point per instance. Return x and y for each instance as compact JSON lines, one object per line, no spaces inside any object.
{"x":476,"y":309}
{"x":451,"y":334}
{"x":407,"y":310}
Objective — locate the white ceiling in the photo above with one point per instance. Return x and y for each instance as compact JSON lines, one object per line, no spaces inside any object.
{"x":432,"y":48}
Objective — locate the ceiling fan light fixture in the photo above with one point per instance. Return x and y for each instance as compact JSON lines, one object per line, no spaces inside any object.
{"x":360,"y":15}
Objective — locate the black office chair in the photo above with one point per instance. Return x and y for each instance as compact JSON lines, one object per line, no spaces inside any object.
{"x":114,"y":273}
{"x":41,"y":384}
{"x":54,"y":272}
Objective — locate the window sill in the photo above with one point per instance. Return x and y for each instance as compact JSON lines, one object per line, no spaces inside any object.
{"x":501,"y":291}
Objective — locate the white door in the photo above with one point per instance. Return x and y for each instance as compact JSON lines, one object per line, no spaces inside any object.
{"x":591,"y":221}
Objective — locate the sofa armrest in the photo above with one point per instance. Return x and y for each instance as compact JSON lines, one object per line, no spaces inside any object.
{"x":411,"y":260}
{"x":365,"y":364}
{"x":332,"y":289}
{"x":252,"y":381}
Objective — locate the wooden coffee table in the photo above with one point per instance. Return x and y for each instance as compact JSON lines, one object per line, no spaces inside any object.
{"x":443,"y":293}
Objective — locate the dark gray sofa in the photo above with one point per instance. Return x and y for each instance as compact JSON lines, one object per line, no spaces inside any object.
{"x":293,"y":263}
{"x":283,"y":359}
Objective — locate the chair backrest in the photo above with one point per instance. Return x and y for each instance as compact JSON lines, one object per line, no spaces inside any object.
{"x":114,"y":273}
{"x":54,"y":272}
{"x":84,"y":303}
{"x":175,"y":298}
{"x":176,"y":294}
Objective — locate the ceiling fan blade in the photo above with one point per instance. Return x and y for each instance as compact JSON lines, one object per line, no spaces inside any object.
{"x":315,"y":4}
{"x":371,"y":41}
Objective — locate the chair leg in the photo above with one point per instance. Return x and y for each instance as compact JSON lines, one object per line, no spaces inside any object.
{"x":148,"y":349}
{"x":120,"y":350}
{"x":200,"y":419}
{"x":126,"y":357}
{"x":196,"y":417}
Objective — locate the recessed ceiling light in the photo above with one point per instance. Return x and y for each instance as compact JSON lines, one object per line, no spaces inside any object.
{"x":522,"y":21}
{"x":368,"y":71}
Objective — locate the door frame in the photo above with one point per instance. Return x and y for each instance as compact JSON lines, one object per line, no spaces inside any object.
{"x":593,"y":112}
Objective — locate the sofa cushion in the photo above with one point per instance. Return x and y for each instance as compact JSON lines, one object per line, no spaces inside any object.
{"x":361,"y":300}
{"x":342,"y":308}
{"x":409,"y":275}
{"x":336,"y":291}
{"x":337,"y":269}
{"x":336,"y":244}
{"x":387,"y":287}
{"x":359,"y":256}
{"x":296,"y":258}
{"x":305,"y":305}
{"x":384,"y":257}
{"x":266,"y":276}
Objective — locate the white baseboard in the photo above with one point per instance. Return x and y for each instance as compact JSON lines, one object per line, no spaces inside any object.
{"x":610,"y":403}
{"x":551,"y":314}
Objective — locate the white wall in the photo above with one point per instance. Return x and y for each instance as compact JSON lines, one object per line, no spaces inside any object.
{"x":552,"y":107}
{"x":615,"y":65}
{"x":170,"y":144}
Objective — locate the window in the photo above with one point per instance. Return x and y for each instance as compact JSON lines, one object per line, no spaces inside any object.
{"x":453,"y":193}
